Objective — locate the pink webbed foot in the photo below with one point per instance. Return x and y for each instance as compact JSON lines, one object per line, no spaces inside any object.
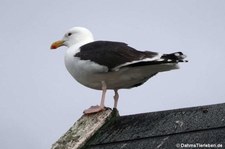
{"x":94,"y":109}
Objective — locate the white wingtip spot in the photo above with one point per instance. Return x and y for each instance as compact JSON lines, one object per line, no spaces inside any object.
{"x":159,"y":60}
{"x":177,"y":54}
{"x":183,"y":56}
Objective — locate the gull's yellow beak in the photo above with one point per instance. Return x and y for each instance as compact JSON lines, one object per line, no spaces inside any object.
{"x":57,"y":44}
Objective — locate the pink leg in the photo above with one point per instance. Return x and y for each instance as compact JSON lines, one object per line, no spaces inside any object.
{"x":116,"y":97}
{"x":104,"y":89}
{"x":97,"y":108}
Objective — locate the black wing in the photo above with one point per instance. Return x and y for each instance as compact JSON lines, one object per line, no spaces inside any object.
{"x":111,"y":54}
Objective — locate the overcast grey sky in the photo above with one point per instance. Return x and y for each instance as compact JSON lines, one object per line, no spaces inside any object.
{"x":39,"y":98}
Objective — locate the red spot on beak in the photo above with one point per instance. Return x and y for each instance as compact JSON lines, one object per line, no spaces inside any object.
{"x":57,"y":44}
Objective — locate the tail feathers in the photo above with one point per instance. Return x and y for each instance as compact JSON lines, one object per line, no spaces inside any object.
{"x":174,"y":57}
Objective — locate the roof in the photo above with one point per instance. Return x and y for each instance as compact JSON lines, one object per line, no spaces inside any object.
{"x":195,"y":126}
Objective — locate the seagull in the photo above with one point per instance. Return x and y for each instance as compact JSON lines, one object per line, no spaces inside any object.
{"x":110,"y":65}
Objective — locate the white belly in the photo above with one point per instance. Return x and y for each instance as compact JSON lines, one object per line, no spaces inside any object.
{"x":91,"y":75}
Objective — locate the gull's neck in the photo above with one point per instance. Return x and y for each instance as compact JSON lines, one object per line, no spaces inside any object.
{"x":75,"y":48}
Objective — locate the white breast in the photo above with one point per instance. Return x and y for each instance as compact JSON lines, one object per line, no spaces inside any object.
{"x":84,"y":71}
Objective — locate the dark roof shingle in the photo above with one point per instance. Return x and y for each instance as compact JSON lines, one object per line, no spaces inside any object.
{"x":164,"y":129}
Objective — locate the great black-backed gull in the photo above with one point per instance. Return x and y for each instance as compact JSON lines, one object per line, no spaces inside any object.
{"x":104,"y":65}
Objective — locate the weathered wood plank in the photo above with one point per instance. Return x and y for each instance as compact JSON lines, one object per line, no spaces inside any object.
{"x":82,"y":130}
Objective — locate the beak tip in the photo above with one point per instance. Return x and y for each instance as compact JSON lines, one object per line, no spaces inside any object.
{"x":57,"y":44}
{"x":53,"y":47}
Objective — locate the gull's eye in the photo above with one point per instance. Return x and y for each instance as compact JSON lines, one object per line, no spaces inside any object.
{"x":69,"y":34}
